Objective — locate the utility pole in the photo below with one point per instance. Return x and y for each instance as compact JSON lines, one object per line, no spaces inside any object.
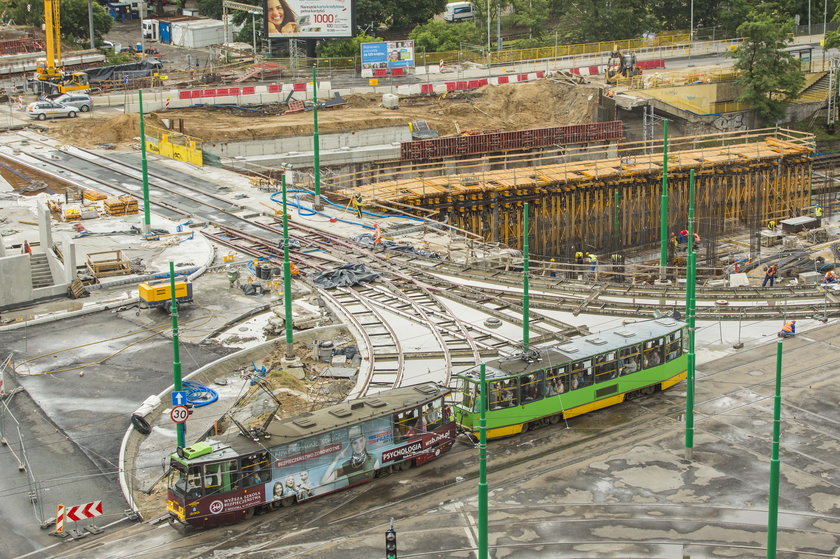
{"x":773,"y":505}
{"x":144,"y":167}
{"x":90,"y":23}
{"x":690,"y":304}
{"x":482,"y":464}
{"x":315,"y":142}
{"x":287,"y":273}
{"x":663,"y":216}
{"x":176,"y":357}
{"x":525,"y":300}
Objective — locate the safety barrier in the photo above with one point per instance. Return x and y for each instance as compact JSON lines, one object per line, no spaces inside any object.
{"x":174,"y":145}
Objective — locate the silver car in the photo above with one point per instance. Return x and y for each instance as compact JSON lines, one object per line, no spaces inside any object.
{"x":81,"y":101}
{"x":49,"y":109}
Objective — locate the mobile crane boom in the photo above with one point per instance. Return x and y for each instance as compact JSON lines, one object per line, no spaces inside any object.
{"x":50,"y":72}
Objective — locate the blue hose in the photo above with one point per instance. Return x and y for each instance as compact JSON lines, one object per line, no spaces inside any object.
{"x":199,"y":395}
{"x":309,"y":211}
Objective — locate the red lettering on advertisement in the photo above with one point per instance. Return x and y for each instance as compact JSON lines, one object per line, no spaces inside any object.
{"x":309,"y":455}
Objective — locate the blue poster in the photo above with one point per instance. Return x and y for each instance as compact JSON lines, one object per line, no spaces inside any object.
{"x":393,"y":54}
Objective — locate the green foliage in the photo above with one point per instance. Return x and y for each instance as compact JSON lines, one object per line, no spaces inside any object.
{"x":120,"y":57}
{"x":587,"y":21}
{"x":438,"y":36}
{"x":210,"y":8}
{"x":370,"y":14}
{"x":335,"y":48}
{"x":769,"y":77}
{"x":74,"y":18}
{"x":532,"y":14}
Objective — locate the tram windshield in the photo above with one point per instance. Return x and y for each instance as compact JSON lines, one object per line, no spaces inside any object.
{"x":185,"y":481}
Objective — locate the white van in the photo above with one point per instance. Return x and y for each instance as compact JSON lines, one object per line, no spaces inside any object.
{"x":458,"y":11}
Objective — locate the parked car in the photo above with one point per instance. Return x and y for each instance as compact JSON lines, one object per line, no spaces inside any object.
{"x":48,"y":109}
{"x":81,"y":101}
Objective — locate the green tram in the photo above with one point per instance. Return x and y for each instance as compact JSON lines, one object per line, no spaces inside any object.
{"x":585,"y":374}
{"x":226,"y":478}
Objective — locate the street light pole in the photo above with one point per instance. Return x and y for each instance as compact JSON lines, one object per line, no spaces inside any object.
{"x":287,"y":271}
{"x":90,"y":23}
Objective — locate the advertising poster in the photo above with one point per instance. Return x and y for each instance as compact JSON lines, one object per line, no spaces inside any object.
{"x":393,"y":54}
{"x":344,"y":457}
{"x":301,"y":19}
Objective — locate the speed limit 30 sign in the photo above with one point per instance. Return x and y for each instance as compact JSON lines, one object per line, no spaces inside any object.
{"x":179,"y":414}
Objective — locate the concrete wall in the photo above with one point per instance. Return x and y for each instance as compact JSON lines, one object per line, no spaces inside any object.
{"x":280,"y":147}
{"x":16,"y":286}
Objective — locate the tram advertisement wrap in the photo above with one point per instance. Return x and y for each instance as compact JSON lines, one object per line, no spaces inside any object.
{"x":293,"y":19}
{"x":343,"y":457}
{"x":230,"y":502}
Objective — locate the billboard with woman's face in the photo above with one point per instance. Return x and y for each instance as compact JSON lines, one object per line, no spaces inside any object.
{"x":292,"y":19}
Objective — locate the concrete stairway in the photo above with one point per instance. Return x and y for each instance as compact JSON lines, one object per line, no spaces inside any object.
{"x":818,"y":91}
{"x":41,"y":275}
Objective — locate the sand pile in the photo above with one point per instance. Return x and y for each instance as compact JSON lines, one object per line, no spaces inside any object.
{"x":544,"y":103}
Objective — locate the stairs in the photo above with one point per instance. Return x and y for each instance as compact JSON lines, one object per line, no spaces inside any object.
{"x":41,"y":275}
{"x":817,"y":91}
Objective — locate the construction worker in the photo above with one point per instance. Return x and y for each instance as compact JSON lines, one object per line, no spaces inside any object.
{"x":830,"y":277}
{"x":551,"y":272}
{"x":26,"y":248}
{"x":377,"y":237}
{"x":593,"y":263}
{"x":356,"y":203}
{"x":770,"y":275}
{"x":772,"y":225}
{"x":293,"y":270}
{"x":683,"y":237}
{"x":788,"y":330}
{"x":696,"y":239}
{"x":818,"y":211}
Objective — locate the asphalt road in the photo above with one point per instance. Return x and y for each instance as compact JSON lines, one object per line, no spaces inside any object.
{"x":615,"y":483}
{"x":73,"y":423}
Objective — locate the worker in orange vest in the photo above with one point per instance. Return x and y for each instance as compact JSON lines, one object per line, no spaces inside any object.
{"x":830,"y":277}
{"x":26,"y":248}
{"x":788,"y":330}
{"x":377,"y":237}
{"x":770,"y":275}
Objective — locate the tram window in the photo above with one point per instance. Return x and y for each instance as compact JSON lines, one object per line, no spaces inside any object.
{"x":581,"y":374}
{"x":432,"y":414}
{"x":255,"y":469}
{"x":556,"y":381}
{"x":404,"y":424}
{"x":628,"y":361}
{"x":187,"y":482}
{"x":674,"y":345}
{"x":653,"y":353}
{"x":476,"y":398}
{"x":532,"y":387}
{"x":606,"y":367}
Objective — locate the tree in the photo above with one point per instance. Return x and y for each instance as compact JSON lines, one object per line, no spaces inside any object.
{"x":349,"y":47}
{"x":210,"y":8}
{"x":587,"y":21}
{"x":437,"y":36}
{"x":769,"y":77}
{"x":531,"y":14}
{"x":74,"y":18}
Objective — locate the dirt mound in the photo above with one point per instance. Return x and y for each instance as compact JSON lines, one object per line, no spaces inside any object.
{"x":540,"y":104}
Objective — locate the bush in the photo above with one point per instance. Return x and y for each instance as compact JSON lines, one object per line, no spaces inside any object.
{"x":349,"y":47}
{"x":437,"y":36}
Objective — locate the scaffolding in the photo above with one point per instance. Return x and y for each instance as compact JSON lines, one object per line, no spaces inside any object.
{"x":606,"y":198}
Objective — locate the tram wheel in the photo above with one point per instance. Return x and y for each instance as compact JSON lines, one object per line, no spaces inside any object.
{"x":524,"y":428}
{"x":287,"y":501}
{"x":406,"y":465}
{"x":249,"y":513}
{"x":554,"y":419}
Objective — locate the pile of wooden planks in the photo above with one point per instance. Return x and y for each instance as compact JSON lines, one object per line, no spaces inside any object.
{"x":108,"y":263}
{"x":124,"y":205}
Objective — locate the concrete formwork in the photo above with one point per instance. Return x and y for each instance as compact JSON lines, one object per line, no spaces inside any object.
{"x":609,"y":198}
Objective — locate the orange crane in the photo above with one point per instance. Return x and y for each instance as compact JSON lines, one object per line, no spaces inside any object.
{"x":50,"y":71}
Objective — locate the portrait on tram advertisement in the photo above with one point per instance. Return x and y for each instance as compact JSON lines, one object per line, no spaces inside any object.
{"x":308,"y":18}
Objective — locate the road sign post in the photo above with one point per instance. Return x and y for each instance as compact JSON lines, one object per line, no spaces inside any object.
{"x":179,"y":414}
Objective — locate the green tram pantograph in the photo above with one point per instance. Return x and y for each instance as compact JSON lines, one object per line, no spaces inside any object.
{"x":585,"y":374}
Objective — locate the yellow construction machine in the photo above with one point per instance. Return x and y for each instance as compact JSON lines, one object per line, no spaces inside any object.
{"x":50,"y":71}
{"x":623,"y":68}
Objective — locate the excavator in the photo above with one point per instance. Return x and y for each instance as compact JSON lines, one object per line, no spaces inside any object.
{"x":624,"y":67}
{"x":49,"y":73}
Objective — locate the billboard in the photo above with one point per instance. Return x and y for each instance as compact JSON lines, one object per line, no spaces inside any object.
{"x":301,"y":19}
{"x":393,"y":54}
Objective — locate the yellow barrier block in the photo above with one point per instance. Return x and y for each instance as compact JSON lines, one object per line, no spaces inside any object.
{"x":373,"y":81}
